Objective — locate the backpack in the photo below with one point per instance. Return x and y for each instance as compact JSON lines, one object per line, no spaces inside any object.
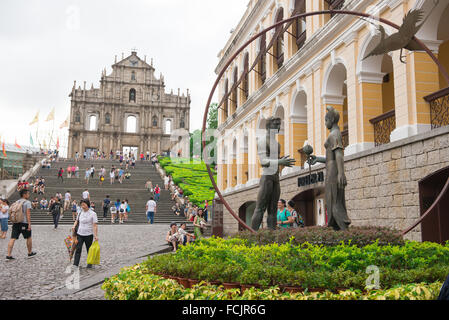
{"x":16,"y":212}
{"x":299,"y":221}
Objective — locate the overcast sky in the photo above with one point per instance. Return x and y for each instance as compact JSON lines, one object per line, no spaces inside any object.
{"x":46,"y":45}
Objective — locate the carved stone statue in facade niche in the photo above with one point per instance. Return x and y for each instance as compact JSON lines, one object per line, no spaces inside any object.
{"x":269,"y":150}
{"x":335,"y":181}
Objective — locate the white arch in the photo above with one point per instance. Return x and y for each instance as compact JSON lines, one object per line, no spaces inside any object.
{"x":429,"y":31}
{"x":333,"y":80}
{"x":369,"y":70}
{"x":131,"y":124}
{"x":298,"y":106}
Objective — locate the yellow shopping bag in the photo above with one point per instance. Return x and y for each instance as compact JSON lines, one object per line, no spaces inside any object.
{"x":93,"y":256}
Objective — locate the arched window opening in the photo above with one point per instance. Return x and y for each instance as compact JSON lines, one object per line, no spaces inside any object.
{"x":182,"y":123}
{"x":154,"y":121}
{"x":225,"y":105}
{"x":107,"y":118}
{"x":77,"y":117}
{"x":168,"y":126}
{"x":131,"y":124}
{"x":245,"y":81}
{"x":299,"y":26}
{"x":234,"y":97}
{"x":132,"y":95}
{"x":92,"y":123}
{"x":262,"y":60}
{"x":133,"y":76}
{"x":279,"y":42}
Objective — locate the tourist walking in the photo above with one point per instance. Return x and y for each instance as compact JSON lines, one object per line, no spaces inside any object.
{"x":69,"y":172}
{"x":4,"y":215}
{"x":284,"y":217}
{"x":298,"y":221}
{"x":87,"y":223}
{"x":92,"y":171}
{"x":60,"y":172}
{"x":23,"y":227}
{"x":122,"y":211}
{"x":113,"y":210}
{"x":199,"y":223}
{"x":67,"y":200}
{"x":87,"y":175}
{"x":150,"y":209}
{"x":86,"y":195}
{"x":106,"y":203}
{"x":157,"y":193}
{"x":112,"y":175}
{"x":74,"y":210}
{"x":166,"y":181}
{"x":128,"y":209}
{"x":55,"y":210}
{"x":117,"y":209}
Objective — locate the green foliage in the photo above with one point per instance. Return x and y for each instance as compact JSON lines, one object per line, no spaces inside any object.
{"x":136,"y":283}
{"x":360,"y":236}
{"x":306,"y":265}
{"x":192,"y":177}
{"x":212,"y":119}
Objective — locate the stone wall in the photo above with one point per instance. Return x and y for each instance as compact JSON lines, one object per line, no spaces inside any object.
{"x":382,"y":182}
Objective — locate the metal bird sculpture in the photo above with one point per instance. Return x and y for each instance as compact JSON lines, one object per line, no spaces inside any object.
{"x":403,"y":38}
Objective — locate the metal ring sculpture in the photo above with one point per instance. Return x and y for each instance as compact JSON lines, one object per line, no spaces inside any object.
{"x":302,"y":15}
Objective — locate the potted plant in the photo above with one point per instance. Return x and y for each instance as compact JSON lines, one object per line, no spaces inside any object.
{"x":230,"y":275}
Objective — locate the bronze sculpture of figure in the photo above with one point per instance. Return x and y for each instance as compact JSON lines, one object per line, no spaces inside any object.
{"x":403,"y":38}
{"x":269,"y":150}
{"x":335,"y":181}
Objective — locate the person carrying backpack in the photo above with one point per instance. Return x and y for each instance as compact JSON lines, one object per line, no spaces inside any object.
{"x":55,"y":210}
{"x":20,"y":217}
{"x":297,"y":219}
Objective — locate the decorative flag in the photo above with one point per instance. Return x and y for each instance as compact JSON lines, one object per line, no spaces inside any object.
{"x":51,"y":116}
{"x":17,"y":145}
{"x":3,"y":147}
{"x":31,"y":140}
{"x":65,"y":124}
{"x":35,"y":120}
{"x":57,"y":144}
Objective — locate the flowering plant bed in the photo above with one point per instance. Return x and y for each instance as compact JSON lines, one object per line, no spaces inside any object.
{"x":135,"y":283}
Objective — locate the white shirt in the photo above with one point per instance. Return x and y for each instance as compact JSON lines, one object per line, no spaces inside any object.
{"x":112,"y":174}
{"x":151,"y":206}
{"x":123,"y":207}
{"x":166,"y":179}
{"x":86,"y":195}
{"x":86,"y":222}
{"x":67,"y":196}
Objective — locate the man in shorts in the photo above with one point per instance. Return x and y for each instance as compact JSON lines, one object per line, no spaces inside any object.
{"x":23,"y":227}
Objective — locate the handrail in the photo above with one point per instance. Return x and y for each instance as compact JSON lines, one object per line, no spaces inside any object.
{"x":437,"y":200}
{"x":384,"y":116}
{"x":436,"y":95}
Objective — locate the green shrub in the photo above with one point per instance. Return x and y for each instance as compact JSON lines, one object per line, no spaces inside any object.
{"x":360,"y":236}
{"x":133,"y":283}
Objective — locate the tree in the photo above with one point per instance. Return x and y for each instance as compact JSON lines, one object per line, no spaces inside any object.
{"x":212,"y":119}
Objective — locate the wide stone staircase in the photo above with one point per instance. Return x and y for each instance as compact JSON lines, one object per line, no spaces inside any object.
{"x":133,"y":189}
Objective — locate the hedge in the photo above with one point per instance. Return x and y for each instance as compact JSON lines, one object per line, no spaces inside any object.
{"x":191,"y":177}
{"x":305,"y":265}
{"x":359,"y":236}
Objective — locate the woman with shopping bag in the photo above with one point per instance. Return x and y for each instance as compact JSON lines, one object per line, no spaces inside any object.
{"x":87,"y":223}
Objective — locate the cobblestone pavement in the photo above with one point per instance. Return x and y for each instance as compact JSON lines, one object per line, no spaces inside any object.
{"x":33,"y":278}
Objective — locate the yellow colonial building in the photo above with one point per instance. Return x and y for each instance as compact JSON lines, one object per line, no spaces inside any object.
{"x":392,"y":121}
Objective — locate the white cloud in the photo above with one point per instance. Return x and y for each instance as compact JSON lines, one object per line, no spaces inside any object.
{"x":46,"y":45}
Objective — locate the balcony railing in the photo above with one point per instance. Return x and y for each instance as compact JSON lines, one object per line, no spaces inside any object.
{"x":439,"y":108}
{"x":383,"y":126}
